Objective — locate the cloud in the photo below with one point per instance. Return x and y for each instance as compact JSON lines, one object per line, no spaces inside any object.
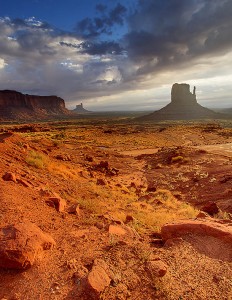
{"x":162,"y":41}
{"x":2,"y":63}
{"x":177,"y":31}
{"x":89,"y":28}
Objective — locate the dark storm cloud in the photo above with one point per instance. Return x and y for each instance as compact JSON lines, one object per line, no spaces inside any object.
{"x":100,"y":48}
{"x":99,"y":59}
{"x":90,"y":28}
{"x":177,"y":30}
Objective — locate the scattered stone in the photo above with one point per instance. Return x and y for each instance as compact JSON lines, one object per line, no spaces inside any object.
{"x":116,"y":230}
{"x":151,"y":188}
{"x":21,"y":243}
{"x":74,"y":209}
{"x":103,"y":165}
{"x":24,"y":182}
{"x":84,"y":174}
{"x":226,"y":178}
{"x":129,"y":219}
{"x":202,"y":215}
{"x":211,"y":208}
{"x":88,"y":158}
{"x":99,"y":225}
{"x":97,"y":280}
{"x":58,"y":203}
{"x":158,"y":242}
{"x":8,"y":176}
{"x":64,"y":157}
{"x":101,"y":181}
{"x":26,"y":146}
{"x":157,"y":268}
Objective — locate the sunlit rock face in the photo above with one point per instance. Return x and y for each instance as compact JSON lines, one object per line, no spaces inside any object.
{"x":183,"y":106}
{"x":15,"y":105}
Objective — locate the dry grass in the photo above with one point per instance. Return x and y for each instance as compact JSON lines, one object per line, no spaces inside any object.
{"x":162,"y":208}
{"x":37,"y":160}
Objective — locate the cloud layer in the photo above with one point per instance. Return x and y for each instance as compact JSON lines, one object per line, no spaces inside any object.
{"x":107,"y":58}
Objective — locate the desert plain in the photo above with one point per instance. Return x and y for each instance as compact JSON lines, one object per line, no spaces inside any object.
{"x":131,"y":210}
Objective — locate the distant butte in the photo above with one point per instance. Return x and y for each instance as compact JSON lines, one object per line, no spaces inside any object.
{"x":80,"y":109}
{"x":183,"y":106}
{"x":17,"y":106}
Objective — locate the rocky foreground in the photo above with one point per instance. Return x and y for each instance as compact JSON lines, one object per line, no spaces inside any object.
{"x":143,"y":212}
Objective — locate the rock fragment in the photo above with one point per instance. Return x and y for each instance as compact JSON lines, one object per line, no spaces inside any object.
{"x":21,"y":243}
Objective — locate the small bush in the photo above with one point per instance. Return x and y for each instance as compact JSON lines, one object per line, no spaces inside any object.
{"x":178,"y":158}
{"x":37,"y":160}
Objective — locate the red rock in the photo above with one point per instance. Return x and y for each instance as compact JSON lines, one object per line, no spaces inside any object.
{"x":117,"y":230}
{"x":129,"y":219}
{"x":202,"y":215}
{"x":59,"y":203}
{"x":23,"y":182}
{"x":151,"y":188}
{"x":74,"y":209}
{"x":104,"y":165}
{"x":202,"y":227}
{"x":157,"y":268}
{"x":9,"y":177}
{"x":211,"y":208}
{"x":101,"y":181}
{"x":64,"y":157}
{"x":97,"y":280}
{"x":21,"y":243}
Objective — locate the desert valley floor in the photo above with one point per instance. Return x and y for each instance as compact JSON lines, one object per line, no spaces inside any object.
{"x":105,"y":192}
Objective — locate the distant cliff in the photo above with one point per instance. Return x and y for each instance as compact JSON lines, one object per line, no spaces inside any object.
{"x":15,"y":105}
{"x":183,"y":106}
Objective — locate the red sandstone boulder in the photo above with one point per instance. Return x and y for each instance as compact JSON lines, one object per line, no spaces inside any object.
{"x":8,"y":176}
{"x":74,"y":209}
{"x":21,"y":243}
{"x":211,"y":208}
{"x":97,"y":280}
{"x":57,"y":202}
{"x":157,"y":268}
{"x":204,"y":227}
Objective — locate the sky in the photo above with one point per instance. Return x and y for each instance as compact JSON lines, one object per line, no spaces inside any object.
{"x":117,"y":55}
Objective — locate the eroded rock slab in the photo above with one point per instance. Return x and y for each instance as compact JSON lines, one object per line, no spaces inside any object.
{"x":210,"y":237}
{"x":21,"y":243}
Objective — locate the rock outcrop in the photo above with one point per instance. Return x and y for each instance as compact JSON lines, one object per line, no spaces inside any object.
{"x":15,"y":105}
{"x":208,"y":235}
{"x":80,"y":109}
{"x":21,"y":243}
{"x":183,"y":106}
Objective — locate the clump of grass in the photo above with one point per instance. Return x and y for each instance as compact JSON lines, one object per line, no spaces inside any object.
{"x":178,"y":158}
{"x":37,"y":160}
{"x":150,"y":215}
{"x":92,"y":205}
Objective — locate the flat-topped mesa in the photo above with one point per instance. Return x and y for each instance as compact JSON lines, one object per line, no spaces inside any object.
{"x":15,"y":105}
{"x":181,"y":94}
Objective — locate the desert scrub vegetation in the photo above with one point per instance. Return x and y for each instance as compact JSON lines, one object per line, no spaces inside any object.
{"x":162,"y":208}
{"x":37,"y":160}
